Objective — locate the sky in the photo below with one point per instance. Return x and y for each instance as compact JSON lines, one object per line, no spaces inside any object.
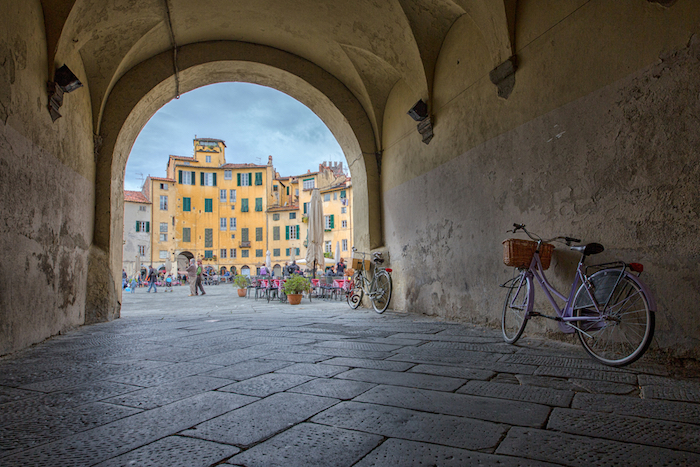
{"x":254,"y":121}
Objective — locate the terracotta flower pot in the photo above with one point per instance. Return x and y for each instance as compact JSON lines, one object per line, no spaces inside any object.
{"x":294,"y":299}
{"x":242,"y":292}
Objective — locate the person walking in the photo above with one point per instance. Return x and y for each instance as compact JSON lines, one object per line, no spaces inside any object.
{"x":192,"y":277}
{"x":152,"y":276}
{"x":134,"y":284}
{"x":198,"y":282}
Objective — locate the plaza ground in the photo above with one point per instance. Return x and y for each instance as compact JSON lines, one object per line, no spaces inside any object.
{"x":223,"y":380}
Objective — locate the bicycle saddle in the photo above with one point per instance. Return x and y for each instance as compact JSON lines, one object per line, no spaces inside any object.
{"x":590,"y":249}
{"x":377,"y":257}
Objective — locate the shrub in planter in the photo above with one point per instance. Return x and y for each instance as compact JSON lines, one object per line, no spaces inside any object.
{"x":242,"y":283}
{"x":295,"y":286}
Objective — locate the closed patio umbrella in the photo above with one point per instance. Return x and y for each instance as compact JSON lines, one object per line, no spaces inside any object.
{"x":337,"y":252}
{"x":268,"y":261}
{"x":314,"y":250}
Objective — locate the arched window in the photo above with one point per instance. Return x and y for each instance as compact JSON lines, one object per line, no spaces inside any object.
{"x":245,"y":270}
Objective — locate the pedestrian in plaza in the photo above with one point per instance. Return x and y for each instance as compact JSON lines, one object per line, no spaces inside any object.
{"x":263,"y":270}
{"x":198,"y":282}
{"x":340,"y":267}
{"x":152,"y":276}
{"x":169,"y":283}
{"x":134,"y":284}
{"x":192,"y":277}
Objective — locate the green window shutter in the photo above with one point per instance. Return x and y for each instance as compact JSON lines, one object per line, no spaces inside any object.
{"x":138,"y":226}
{"x":214,"y":178}
{"x":244,"y":234}
{"x":238,"y":176}
{"x":286,"y":234}
{"x":298,"y":251}
{"x":342,"y":194}
{"x":276,"y":233}
{"x":208,"y":205}
{"x":287,"y":191}
{"x":250,"y":178}
{"x":305,"y":204}
{"x":297,"y":233}
{"x":186,"y":204}
{"x":332,"y":221}
{"x":258,"y":204}
{"x":258,"y":234}
{"x":258,"y":178}
{"x":148,"y":226}
{"x":244,"y":205}
{"x":201,"y":178}
{"x":194,"y":177}
{"x":179,"y":176}
{"x":286,"y":252}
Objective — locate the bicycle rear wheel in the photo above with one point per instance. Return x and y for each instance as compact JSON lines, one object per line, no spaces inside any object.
{"x":381,"y":291}
{"x":623,"y":331}
{"x":515,"y":308}
{"x":355,"y":294}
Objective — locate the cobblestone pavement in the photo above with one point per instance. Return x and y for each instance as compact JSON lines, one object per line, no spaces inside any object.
{"x":222,"y":380}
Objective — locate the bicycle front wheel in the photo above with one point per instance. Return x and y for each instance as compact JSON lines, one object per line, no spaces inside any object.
{"x":515,"y":308}
{"x":621,"y":332}
{"x":355,"y":294}
{"x":381,"y":292}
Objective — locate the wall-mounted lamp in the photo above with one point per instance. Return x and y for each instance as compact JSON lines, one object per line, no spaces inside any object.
{"x":419,"y":113}
{"x":64,"y":82}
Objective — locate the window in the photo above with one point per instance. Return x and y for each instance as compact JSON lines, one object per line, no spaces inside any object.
{"x":258,"y":234}
{"x":173,"y":219}
{"x":258,"y":204}
{"x":275,"y":217}
{"x":222,"y":253}
{"x":342,"y":194}
{"x":223,"y":223}
{"x":327,"y":197}
{"x":258,"y":253}
{"x":163,"y":186}
{"x":344,"y":224}
{"x":327,"y":247}
{"x":286,"y":252}
{"x":232,"y":223}
{"x":232,"y":195}
{"x":207,"y":179}
{"x":186,"y":234}
{"x":243,"y":179}
{"x":163,"y":254}
{"x":297,"y":192}
{"x":275,"y":188}
{"x":306,"y":207}
{"x":228,"y":174}
{"x":276,"y":252}
{"x":276,"y":232}
{"x":308,"y":184}
{"x":143,"y":226}
{"x":258,"y":178}
{"x":297,"y":252}
{"x":233,"y":252}
{"x":208,"y":253}
{"x":163,"y":237}
{"x":244,"y":234}
{"x":208,"y":238}
{"x":185,"y":177}
{"x":142,"y":250}
{"x":208,"y":158}
{"x":328,"y":222}
{"x":222,"y":195}
{"x":142,"y":208}
{"x":343,"y":210}
{"x":186,"y":205}
{"x":292,"y":215}
{"x":291,"y":232}
{"x":245,"y":253}
{"x":244,"y":205}
{"x":345,"y":245}
{"x":335,"y":195}
{"x":163,"y":226}
{"x":208,"y":205}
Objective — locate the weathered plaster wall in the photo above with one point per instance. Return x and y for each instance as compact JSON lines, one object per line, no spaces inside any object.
{"x":599,"y":140}
{"x":46,"y":188}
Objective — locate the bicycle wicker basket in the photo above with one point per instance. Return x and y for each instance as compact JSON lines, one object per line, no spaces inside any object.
{"x":518,"y":253}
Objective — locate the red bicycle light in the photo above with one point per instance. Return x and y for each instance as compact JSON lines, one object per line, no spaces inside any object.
{"x":636,"y":267}
{"x":388,"y":269}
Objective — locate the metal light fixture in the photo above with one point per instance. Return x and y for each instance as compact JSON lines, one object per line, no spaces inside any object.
{"x":419,"y":113}
{"x":64,"y":82}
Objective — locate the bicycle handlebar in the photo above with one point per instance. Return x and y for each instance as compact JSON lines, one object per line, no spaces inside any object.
{"x":537,"y":238}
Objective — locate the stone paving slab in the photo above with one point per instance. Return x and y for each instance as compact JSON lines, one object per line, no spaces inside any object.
{"x":174,"y":451}
{"x":646,"y":408}
{"x":414,"y":425}
{"x":496,"y":347}
{"x":167,"y":393}
{"x":452,"y":371}
{"x":297,"y":357}
{"x":234,"y":356}
{"x":581,"y":373}
{"x":546,"y":396}
{"x":8,"y":394}
{"x":265,"y":385}
{"x":336,"y":389}
{"x":260,"y":420}
{"x":395,"y":452}
{"x":578,"y":385}
{"x":310,"y":445}
{"x":320,"y":370}
{"x":672,"y":435}
{"x":468,"y":361}
{"x":248,"y":369}
{"x":581,"y":451}
{"x":671,"y":393}
{"x":356,"y":345}
{"x":411,"y":380}
{"x":369,"y":363}
{"x":163,"y":374}
{"x":462,"y":405}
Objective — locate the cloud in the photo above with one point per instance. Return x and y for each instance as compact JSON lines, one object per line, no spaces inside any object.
{"x":254,"y":121}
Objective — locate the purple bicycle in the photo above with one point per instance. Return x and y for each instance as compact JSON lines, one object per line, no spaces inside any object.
{"x":608,"y":306}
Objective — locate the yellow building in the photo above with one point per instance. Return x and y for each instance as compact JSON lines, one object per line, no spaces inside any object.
{"x":231,"y":215}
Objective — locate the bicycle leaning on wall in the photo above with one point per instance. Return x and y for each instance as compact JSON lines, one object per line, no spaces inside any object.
{"x":612,"y":310}
{"x":377,"y":288}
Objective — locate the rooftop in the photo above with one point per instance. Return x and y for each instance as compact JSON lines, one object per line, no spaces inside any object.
{"x":135,"y":197}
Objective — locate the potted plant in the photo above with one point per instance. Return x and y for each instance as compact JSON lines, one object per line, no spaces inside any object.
{"x":242,"y":283}
{"x":294,"y":287}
